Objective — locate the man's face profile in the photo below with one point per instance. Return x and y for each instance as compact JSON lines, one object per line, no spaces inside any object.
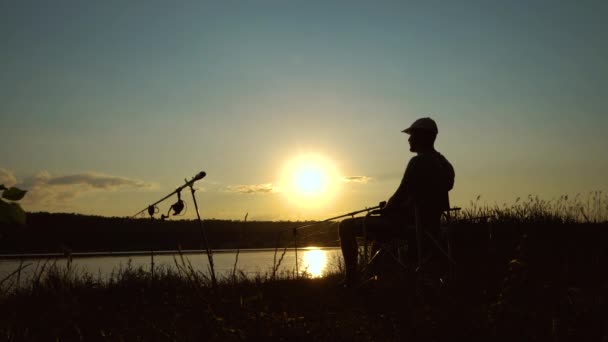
{"x":420,"y":140}
{"x":413,"y":140}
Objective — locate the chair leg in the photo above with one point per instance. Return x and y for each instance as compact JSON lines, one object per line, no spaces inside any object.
{"x":418,"y":238}
{"x":385,"y":251}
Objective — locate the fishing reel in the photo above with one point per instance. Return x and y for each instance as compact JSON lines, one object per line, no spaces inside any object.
{"x":177,"y":207}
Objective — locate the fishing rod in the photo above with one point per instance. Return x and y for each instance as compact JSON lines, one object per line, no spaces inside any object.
{"x":379,"y":206}
{"x":352,"y":214}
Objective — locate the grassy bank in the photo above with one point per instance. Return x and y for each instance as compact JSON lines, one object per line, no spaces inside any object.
{"x":61,"y":304}
{"x":533,"y":271}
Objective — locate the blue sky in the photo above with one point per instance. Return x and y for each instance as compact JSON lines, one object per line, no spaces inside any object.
{"x":107,"y":106}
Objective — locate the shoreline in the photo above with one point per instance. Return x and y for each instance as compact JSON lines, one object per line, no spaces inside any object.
{"x":146,"y":253}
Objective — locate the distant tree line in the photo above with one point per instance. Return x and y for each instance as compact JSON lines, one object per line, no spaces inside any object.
{"x":59,"y":232}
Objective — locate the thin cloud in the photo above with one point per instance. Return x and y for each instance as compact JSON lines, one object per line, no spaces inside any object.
{"x":7,"y":178}
{"x":266,"y":188}
{"x":357,"y":179}
{"x":46,"y":189}
{"x":97,"y":181}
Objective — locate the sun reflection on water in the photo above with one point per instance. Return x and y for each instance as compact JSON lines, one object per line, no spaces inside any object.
{"x":314,"y":262}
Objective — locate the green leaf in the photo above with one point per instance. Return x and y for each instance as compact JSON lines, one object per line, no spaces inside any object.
{"x":18,"y":214}
{"x":11,"y":213}
{"x":13,"y":194}
{"x":5,"y":212}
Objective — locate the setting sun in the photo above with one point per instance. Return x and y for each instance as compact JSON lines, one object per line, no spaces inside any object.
{"x":310,"y":180}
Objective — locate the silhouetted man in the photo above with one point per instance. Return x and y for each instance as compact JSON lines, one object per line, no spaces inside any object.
{"x":425,"y":185}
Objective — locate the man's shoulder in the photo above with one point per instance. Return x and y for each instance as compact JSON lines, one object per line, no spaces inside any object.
{"x":415,"y":158}
{"x":423,"y":158}
{"x":414,"y":161}
{"x":431,"y":157}
{"x":427,"y":160}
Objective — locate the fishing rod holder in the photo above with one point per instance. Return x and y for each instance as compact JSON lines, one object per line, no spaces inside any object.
{"x":177,"y":208}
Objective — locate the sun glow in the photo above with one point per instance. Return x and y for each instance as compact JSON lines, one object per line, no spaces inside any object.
{"x":310,"y":180}
{"x":315,"y":262}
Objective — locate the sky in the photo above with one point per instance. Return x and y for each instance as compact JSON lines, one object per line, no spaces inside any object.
{"x":108,"y":106}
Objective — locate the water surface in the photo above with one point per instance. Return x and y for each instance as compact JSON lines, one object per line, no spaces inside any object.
{"x":315,"y":262}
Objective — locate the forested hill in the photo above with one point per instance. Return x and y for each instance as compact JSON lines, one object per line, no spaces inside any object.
{"x":52,"y":232}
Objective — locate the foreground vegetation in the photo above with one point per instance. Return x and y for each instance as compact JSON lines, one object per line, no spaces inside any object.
{"x":588,"y":208}
{"x":526,"y":298}
{"x":167,"y":306}
{"x":532,"y":271}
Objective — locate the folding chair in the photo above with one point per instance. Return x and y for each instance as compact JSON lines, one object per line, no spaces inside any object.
{"x":396,"y":249}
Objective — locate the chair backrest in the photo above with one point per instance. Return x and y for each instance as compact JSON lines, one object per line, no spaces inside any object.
{"x":428,"y":223}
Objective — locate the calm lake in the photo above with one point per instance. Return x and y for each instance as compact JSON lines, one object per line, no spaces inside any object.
{"x":317,"y":262}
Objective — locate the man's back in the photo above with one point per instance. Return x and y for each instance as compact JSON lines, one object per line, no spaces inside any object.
{"x":433,"y":177}
{"x":426,"y":182}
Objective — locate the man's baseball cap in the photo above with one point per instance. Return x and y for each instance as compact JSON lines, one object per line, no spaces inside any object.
{"x":423,"y":124}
